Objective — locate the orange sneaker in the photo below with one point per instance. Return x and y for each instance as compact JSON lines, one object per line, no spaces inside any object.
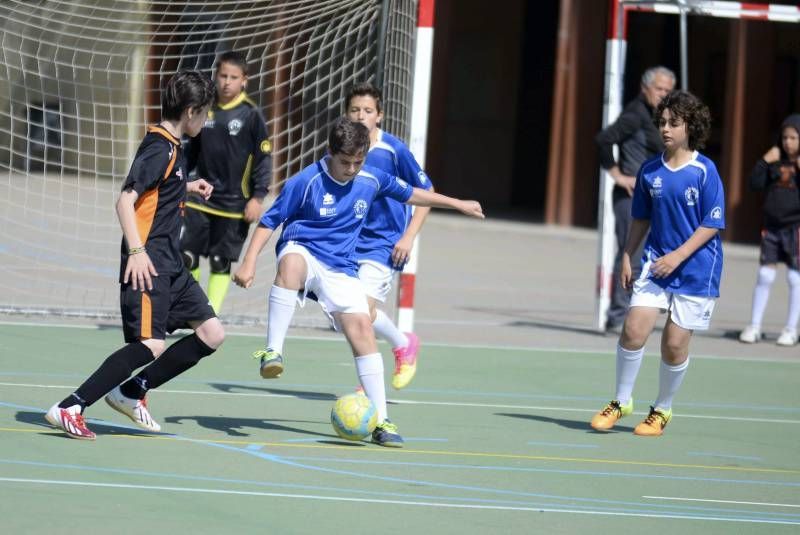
{"x":654,"y":424}
{"x":608,"y":416}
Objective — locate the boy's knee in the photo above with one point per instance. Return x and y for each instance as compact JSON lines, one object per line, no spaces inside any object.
{"x":212,"y":333}
{"x":155,"y":346}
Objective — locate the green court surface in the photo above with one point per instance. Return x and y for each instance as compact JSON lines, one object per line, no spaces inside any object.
{"x":497,"y":441}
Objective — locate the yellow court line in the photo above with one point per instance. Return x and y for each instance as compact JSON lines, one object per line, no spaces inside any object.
{"x":443,"y":453}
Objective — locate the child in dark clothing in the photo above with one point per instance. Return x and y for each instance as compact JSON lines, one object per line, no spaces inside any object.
{"x":778,"y":173}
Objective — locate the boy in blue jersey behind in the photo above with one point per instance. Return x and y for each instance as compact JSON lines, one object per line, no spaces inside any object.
{"x":385,"y":243}
{"x":679,"y":197}
{"x":323,"y":209}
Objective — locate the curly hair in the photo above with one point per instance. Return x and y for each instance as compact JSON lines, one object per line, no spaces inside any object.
{"x":693,"y":112}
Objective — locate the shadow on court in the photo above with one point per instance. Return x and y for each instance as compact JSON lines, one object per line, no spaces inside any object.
{"x":232,"y":388}
{"x":579,"y":425}
{"x":235,"y":426}
{"x":99,"y":428}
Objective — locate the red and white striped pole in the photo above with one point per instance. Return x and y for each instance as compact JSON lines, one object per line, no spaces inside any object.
{"x":423,"y":59}
{"x":612,"y":106}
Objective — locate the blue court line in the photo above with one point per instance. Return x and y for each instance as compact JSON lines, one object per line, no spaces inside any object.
{"x":689,"y":511}
{"x":562,"y":444}
{"x":723,"y":455}
{"x":339,"y":387}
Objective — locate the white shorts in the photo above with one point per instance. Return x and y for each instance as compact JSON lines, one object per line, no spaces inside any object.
{"x":376,"y":278}
{"x":687,"y":311}
{"x":336,"y":292}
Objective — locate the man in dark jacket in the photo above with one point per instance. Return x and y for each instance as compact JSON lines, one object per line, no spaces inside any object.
{"x":637,"y":138}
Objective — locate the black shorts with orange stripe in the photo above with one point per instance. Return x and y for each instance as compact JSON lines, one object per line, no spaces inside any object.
{"x":174,"y":302}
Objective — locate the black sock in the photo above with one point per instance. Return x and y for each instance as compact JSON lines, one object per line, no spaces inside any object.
{"x":178,"y":358}
{"x":116,"y":368}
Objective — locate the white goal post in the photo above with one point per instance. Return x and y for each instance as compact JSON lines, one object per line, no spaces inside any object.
{"x":616,"y":44}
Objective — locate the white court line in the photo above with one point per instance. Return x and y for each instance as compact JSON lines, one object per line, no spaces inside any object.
{"x":432,"y":403}
{"x":387,"y":502}
{"x":334,"y":337}
{"x":720,"y":501}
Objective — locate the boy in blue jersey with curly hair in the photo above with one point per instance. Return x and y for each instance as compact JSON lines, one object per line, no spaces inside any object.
{"x":679,"y":197}
{"x":323,"y":209}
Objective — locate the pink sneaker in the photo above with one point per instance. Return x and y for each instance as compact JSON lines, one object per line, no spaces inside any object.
{"x":405,"y":362}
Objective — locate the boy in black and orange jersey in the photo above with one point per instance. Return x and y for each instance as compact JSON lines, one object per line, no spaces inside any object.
{"x":157,"y":294}
{"x":232,"y":152}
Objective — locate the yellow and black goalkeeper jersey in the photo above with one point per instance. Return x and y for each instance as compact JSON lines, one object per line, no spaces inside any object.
{"x":158,"y":176}
{"x":233,"y":153}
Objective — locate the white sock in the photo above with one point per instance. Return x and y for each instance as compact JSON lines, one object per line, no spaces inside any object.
{"x":628,"y":363}
{"x":281,"y":310}
{"x":370,"y":373}
{"x":387,"y":330}
{"x":793,"y":277}
{"x":766,"y":276}
{"x":669,"y":381}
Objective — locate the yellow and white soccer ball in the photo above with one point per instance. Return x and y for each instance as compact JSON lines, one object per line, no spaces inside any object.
{"x":353,"y":416}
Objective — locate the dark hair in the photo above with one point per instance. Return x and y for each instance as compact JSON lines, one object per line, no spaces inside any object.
{"x":186,"y":90}
{"x":234,"y":58}
{"x":364,"y":89}
{"x":693,"y":112}
{"x":348,"y":137}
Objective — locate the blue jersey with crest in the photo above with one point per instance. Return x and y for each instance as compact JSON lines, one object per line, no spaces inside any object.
{"x":677,"y":202}
{"x":325,"y":216}
{"x":387,"y":219}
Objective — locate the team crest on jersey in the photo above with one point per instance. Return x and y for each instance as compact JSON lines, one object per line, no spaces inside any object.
{"x":716,"y":213}
{"x":691,"y":195}
{"x":234,"y":126}
{"x":328,"y":199}
{"x":360,"y":208}
{"x":266,"y":146}
{"x":655,"y":191}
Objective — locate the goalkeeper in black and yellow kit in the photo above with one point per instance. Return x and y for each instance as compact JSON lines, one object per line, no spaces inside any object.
{"x":233,"y":153}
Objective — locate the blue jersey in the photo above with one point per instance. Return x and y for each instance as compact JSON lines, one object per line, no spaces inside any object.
{"x":325,"y":216}
{"x":387,"y":220}
{"x":677,"y":202}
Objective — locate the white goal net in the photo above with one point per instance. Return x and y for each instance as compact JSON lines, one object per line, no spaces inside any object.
{"x":80,"y":79}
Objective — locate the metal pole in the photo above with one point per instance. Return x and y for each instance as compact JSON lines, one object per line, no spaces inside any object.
{"x":382,"y":31}
{"x":684,"y":50}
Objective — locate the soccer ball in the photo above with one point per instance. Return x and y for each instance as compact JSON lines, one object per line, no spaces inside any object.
{"x":354,"y":417}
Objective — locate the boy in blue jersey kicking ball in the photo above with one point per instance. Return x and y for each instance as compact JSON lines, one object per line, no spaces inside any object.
{"x":322,"y":210}
{"x":385,"y":243}
{"x":679,"y":197}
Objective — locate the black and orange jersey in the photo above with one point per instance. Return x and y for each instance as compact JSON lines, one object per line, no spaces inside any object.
{"x":233,"y":153}
{"x":158,"y":175}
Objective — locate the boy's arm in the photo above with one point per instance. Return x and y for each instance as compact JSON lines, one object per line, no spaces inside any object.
{"x":665,"y":265}
{"x":139,"y":268}
{"x":636,"y":234}
{"x":246,"y":273}
{"x":262,"y":167}
{"x":402,"y":249}
{"x":421,"y":197}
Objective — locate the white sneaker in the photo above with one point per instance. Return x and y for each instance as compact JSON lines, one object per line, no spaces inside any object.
{"x":69,"y":420}
{"x":750,"y":335}
{"x":788,"y":337}
{"x":135,"y":409}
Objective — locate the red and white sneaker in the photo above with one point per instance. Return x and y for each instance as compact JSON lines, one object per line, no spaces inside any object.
{"x":405,"y":362}
{"x":135,"y":409}
{"x":69,"y":420}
